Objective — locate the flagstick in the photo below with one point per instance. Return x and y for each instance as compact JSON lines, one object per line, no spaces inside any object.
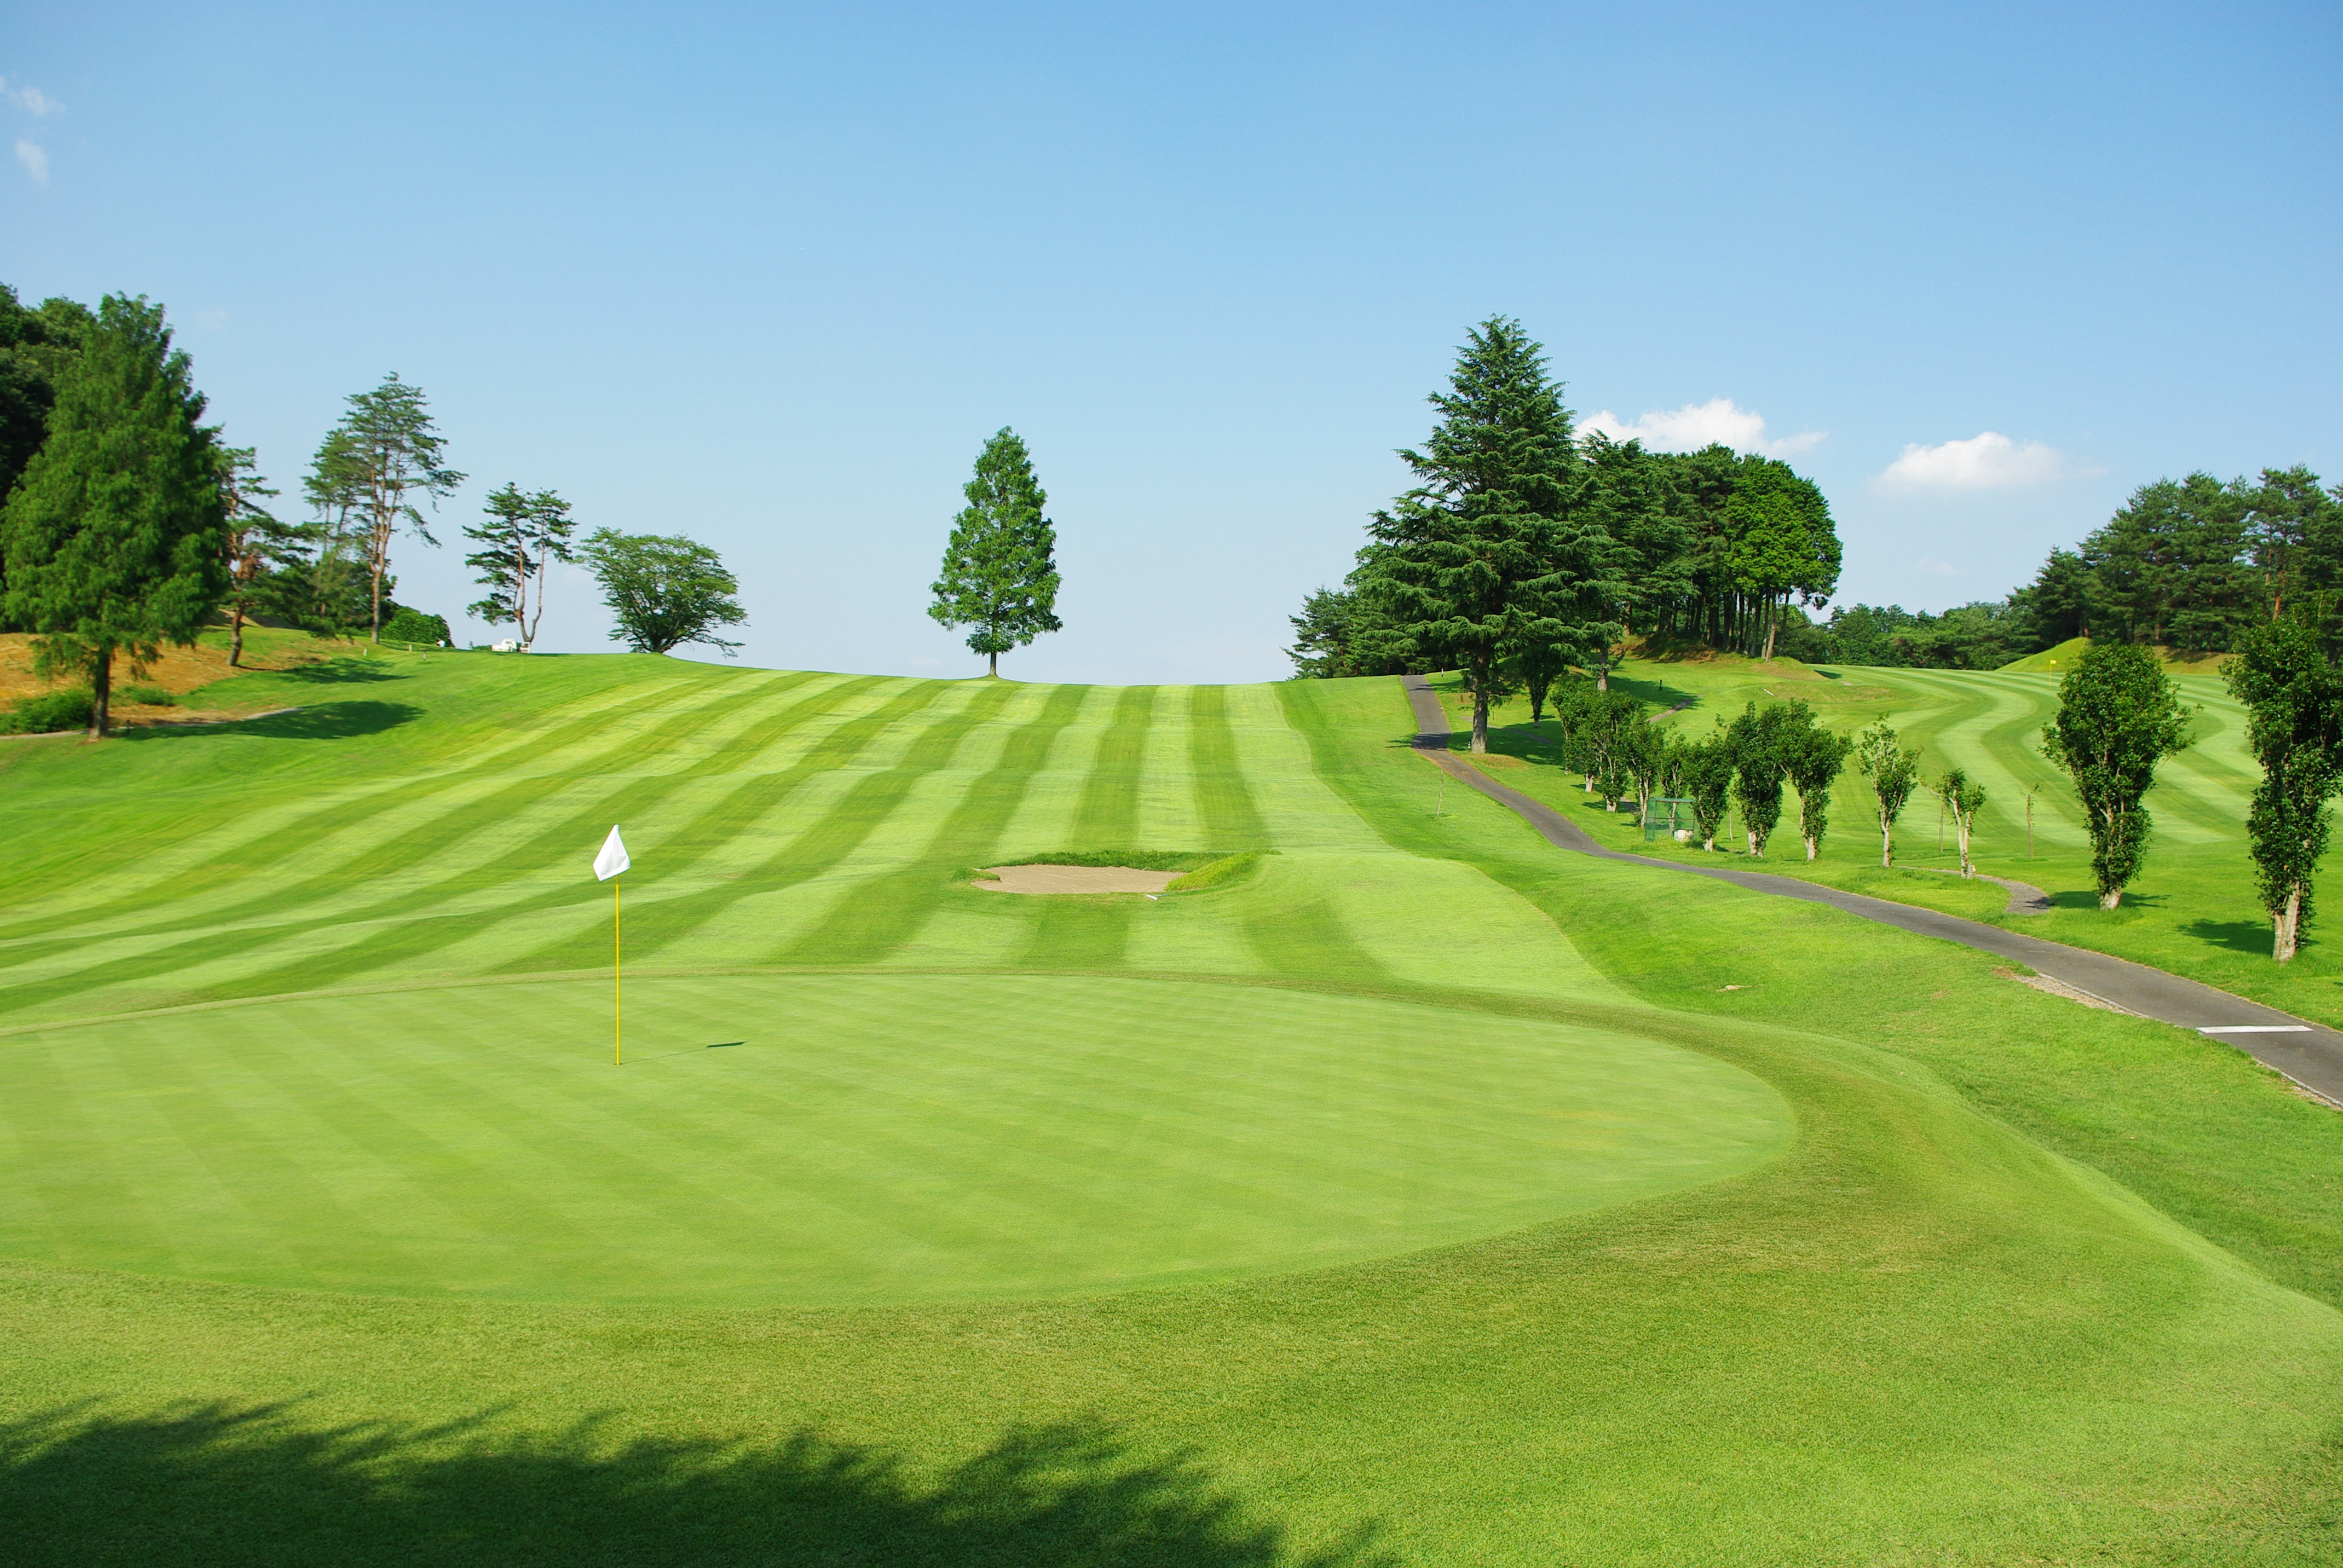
{"x":617,"y":987}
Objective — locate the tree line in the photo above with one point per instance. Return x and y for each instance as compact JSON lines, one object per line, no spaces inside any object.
{"x":2191,"y":564}
{"x":1528,"y":546}
{"x":126,"y":522}
{"x":2119,"y":716}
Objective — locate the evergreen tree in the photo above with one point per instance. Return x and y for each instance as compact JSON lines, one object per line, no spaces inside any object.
{"x":524,"y":535}
{"x":259,"y":548}
{"x":1484,"y":555}
{"x":114,"y":538}
{"x":999,"y":574}
{"x":35,"y":345}
{"x":2118,"y":717}
{"x":2294,"y":532}
{"x":385,"y":450}
{"x":1338,"y":633}
{"x":2293,"y":696}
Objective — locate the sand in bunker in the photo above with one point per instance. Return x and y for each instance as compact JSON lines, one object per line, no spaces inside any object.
{"x":1076,"y":880}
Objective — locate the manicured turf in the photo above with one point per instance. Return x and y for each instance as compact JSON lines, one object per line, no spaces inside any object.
{"x":2029,"y":1283}
{"x":826,"y":1139}
{"x":2193,"y":908}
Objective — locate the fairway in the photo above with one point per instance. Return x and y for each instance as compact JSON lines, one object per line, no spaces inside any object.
{"x":829,"y":1138}
{"x":1425,"y":1187}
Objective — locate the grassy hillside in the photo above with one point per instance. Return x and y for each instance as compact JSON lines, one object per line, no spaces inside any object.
{"x":1897,"y":1260}
{"x":2192,"y":911}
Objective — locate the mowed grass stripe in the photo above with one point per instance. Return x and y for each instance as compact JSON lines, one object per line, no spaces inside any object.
{"x":574,"y":834}
{"x":257,"y":844}
{"x":424,"y":926}
{"x":887,"y":912}
{"x":1225,"y":801}
{"x":247,"y":842}
{"x":826,"y":841}
{"x":460,"y":840}
{"x":1093,"y":934}
{"x":67,"y":1179}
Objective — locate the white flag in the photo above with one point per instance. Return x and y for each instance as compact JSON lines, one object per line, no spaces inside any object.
{"x":613,"y":858}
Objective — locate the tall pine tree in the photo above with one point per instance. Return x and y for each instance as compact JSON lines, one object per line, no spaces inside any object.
{"x":116,"y":537}
{"x":999,"y":574}
{"x":1487,"y":553}
{"x":385,"y":450}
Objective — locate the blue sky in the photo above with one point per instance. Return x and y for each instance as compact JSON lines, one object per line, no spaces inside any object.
{"x":769,"y":276}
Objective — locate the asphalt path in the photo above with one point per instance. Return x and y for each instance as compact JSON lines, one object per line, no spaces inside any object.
{"x":2309,"y":1054}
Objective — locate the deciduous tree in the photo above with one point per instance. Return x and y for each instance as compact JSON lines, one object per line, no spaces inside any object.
{"x":1812,"y":757}
{"x":2118,"y":717}
{"x":664,"y":590}
{"x":1708,"y":783}
{"x":2293,"y":696}
{"x":1894,"y":773}
{"x":1000,"y":574}
{"x":1758,"y":759}
{"x":1962,"y":796}
{"x":114,"y":538}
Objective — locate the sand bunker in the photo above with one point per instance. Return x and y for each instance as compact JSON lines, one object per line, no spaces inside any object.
{"x":1076,"y":880}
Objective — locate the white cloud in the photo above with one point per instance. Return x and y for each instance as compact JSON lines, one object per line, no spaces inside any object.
{"x":32,"y":100}
{"x":1987,"y":461}
{"x":1717,"y":422}
{"x":35,"y":158}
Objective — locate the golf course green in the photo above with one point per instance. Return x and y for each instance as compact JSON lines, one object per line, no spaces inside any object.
{"x":896,"y":1138}
{"x":1418,"y":1194}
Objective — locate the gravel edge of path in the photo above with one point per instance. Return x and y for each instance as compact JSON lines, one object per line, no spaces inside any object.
{"x":2309,"y":1055}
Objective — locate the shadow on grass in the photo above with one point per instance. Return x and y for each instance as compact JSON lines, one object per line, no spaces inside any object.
{"x":2253,"y":937}
{"x":343,"y":669}
{"x":324,"y":721}
{"x":214,"y":1484}
{"x":2083,"y":899}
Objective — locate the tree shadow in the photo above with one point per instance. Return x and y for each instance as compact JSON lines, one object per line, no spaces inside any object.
{"x":342,"y":669}
{"x":323,"y":721}
{"x":215,"y":1483}
{"x":2083,"y":899}
{"x":2253,"y":937}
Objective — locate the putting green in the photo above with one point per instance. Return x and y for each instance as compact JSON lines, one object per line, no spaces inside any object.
{"x":833,"y":1138}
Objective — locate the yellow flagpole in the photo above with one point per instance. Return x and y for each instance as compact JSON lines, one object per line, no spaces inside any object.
{"x":617,"y":987}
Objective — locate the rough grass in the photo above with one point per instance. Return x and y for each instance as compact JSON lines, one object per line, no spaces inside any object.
{"x":2030,"y":1283}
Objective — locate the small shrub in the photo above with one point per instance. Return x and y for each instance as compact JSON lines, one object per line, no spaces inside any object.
{"x":145,"y":696}
{"x":411,"y":625}
{"x":46,"y":712}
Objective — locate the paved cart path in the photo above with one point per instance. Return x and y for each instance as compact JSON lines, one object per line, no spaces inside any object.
{"x":2311,"y":1054}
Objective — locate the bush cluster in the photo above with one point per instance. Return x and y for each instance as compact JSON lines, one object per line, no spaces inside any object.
{"x":46,"y":712}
